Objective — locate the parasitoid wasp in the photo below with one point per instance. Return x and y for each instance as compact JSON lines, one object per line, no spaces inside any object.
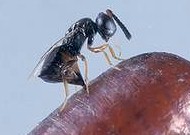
{"x":59,"y":63}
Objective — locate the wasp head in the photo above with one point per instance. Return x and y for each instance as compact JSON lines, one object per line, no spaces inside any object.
{"x":106,"y":26}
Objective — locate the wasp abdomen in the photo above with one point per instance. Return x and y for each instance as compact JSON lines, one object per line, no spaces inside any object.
{"x":50,"y":71}
{"x":59,"y":66}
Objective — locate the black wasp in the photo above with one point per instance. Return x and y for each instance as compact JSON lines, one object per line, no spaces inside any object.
{"x":59,"y":63}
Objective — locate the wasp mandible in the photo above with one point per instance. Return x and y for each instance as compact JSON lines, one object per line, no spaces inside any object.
{"x":59,"y":63}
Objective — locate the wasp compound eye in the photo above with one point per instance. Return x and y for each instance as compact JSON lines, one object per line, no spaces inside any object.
{"x":106,"y":26}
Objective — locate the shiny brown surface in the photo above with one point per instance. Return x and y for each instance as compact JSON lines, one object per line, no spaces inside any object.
{"x":149,"y":96}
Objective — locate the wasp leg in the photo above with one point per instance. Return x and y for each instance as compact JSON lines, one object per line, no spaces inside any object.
{"x":101,"y":49}
{"x":66,"y":91}
{"x":107,"y":58}
{"x":109,"y":61}
{"x":98,"y":49}
{"x":113,"y":54}
{"x":82,"y":57}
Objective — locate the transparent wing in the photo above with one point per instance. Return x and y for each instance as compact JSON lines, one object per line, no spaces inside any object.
{"x":67,"y":38}
{"x":41,"y":61}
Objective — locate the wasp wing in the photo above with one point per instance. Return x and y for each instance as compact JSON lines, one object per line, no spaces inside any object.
{"x":40,"y":63}
{"x":68,"y":36}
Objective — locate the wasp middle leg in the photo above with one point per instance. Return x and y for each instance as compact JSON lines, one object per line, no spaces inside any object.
{"x":82,"y":57}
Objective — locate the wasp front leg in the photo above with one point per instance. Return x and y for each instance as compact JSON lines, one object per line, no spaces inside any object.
{"x":102,"y":49}
{"x":113,"y":54}
{"x":98,"y":49}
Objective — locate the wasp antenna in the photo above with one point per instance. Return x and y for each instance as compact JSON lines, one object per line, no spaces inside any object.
{"x":121,"y":25}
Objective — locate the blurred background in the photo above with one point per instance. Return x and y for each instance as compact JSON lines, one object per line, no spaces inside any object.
{"x":29,"y":27}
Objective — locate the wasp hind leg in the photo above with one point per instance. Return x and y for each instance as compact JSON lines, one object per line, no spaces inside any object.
{"x":82,"y":57}
{"x":66,"y":92}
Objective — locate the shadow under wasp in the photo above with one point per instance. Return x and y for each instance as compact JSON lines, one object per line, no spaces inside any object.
{"x":59,"y":63}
